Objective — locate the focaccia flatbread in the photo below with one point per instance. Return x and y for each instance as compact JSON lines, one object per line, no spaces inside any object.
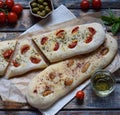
{"x":67,"y":42}
{"x":6,"y":51}
{"x":25,"y":58}
{"x":59,"y":79}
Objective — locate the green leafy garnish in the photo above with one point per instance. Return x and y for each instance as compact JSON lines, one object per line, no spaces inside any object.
{"x":113,"y":21}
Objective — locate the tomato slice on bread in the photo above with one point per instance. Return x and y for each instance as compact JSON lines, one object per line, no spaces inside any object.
{"x":75,"y":30}
{"x":25,"y":48}
{"x":34,"y":60}
{"x":56,"y":47}
{"x":60,"y":34}
{"x":88,"y":39}
{"x":44,"y":40}
{"x":73,"y":44}
{"x":92,"y":30}
{"x":7,"y":54}
{"x":15,"y":63}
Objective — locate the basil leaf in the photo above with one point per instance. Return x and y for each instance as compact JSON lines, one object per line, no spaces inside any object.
{"x":113,"y":21}
{"x":111,"y":14}
{"x":115,"y":28}
{"x":107,"y":20}
{"x":107,"y":23}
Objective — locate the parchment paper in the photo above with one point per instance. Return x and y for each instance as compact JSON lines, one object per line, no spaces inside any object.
{"x":14,"y":89}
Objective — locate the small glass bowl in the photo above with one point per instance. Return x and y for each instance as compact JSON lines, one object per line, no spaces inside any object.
{"x":50,"y":5}
{"x":103,"y":82}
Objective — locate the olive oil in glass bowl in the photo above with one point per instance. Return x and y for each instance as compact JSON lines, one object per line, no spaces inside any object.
{"x":103,"y":82}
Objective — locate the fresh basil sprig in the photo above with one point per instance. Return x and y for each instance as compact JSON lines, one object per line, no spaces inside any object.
{"x":113,"y":21}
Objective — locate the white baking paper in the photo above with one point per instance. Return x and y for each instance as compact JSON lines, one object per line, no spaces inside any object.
{"x":62,"y":102}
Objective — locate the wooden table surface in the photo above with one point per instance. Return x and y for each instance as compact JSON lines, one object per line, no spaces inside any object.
{"x":92,"y":105}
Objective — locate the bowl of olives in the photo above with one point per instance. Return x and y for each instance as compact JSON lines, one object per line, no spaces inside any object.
{"x":41,"y":8}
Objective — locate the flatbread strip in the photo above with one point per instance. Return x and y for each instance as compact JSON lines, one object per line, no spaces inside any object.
{"x":25,"y":58}
{"x":6,"y":51}
{"x":59,"y":79}
{"x":67,"y":42}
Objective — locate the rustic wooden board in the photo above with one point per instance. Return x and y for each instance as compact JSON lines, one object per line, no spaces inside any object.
{"x":74,"y":3}
{"x":87,"y":112}
{"x":8,"y":35}
{"x":91,"y":101}
{"x":26,"y":20}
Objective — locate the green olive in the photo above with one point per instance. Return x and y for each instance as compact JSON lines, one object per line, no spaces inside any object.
{"x":40,"y":1}
{"x":47,"y":10}
{"x":46,"y":7}
{"x":43,"y":13}
{"x":45,"y":3}
{"x":35,"y":9}
{"x":38,"y":12}
{"x":33,"y":4}
{"x":38,"y":5}
{"x":41,"y":7}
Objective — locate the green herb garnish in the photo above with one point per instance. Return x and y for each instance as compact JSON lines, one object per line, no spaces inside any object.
{"x":113,"y":21}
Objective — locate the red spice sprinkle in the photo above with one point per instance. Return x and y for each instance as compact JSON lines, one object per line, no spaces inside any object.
{"x":35,"y":91}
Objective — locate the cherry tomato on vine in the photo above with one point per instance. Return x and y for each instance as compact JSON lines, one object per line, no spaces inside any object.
{"x":12,"y":17}
{"x":2,"y":17}
{"x":1,"y":4}
{"x":9,"y":3}
{"x":80,"y":95}
{"x":96,"y":4}
{"x":17,"y":8}
{"x":85,"y":4}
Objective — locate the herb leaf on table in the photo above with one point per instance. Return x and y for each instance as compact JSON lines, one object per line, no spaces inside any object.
{"x":113,"y":21}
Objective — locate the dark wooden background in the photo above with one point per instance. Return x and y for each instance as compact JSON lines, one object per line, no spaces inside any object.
{"x":92,"y":104}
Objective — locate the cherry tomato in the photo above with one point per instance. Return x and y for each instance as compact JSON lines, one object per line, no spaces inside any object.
{"x":61,"y":34}
{"x":25,"y":48}
{"x":44,"y":40}
{"x":56,"y":47}
{"x":80,"y":95}
{"x":75,"y":30}
{"x":9,"y":3}
{"x":73,"y":44}
{"x":15,"y":63}
{"x":1,"y":4}
{"x":89,"y":39}
{"x":96,"y":4}
{"x":2,"y":17}
{"x":85,"y":4}
{"x":12,"y":17}
{"x":92,"y":30}
{"x":17,"y":8}
{"x":7,"y":54}
{"x":34,"y":60}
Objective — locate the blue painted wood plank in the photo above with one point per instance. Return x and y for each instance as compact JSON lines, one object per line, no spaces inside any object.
{"x":91,"y":101}
{"x":75,"y":4}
